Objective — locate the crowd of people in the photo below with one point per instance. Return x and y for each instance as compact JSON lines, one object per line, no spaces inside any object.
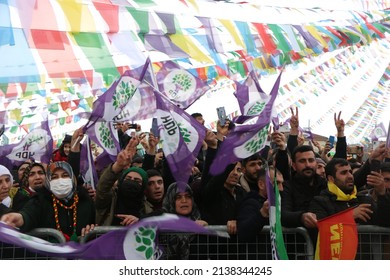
{"x":139,"y":184}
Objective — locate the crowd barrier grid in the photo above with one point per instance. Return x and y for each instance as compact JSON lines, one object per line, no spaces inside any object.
{"x":374,"y":244}
{"x":297,"y":240}
{"x":12,"y":252}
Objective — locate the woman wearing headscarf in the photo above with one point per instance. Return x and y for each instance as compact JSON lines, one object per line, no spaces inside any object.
{"x":32,"y":181}
{"x":179,"y":200}
{"x":6,"y":182}
{"x":60,"y":206}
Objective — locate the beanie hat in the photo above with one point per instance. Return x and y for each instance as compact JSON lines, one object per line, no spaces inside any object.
{"x":321,"y":161}
{"x":138,"y":170}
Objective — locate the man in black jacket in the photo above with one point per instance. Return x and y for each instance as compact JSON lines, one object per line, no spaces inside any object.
{"x":301,"y":188}
{"x":341,"y":194}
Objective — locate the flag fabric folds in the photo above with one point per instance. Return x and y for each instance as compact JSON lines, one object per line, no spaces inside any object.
{"x":277,"y":242}
{"x":249,"y":95}
{"x":337,"y":237}
{"x":87,"y":166}
{"x":379,"y":131}
{"x":115,"y":100}
{"x":37,"y":145}
{"x":181,"y":135}
{"x":136,"y":242}
{"x":248,"y":138}
{"x":179,"y":85}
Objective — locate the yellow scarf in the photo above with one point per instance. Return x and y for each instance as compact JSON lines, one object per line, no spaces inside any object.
{"x":341,"y":196}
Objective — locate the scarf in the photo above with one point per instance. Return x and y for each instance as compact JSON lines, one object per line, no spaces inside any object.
{"x":341,"y":196}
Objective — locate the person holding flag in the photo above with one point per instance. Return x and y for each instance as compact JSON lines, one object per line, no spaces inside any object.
{"x":253,"y":211}
{"x":340,"y":196}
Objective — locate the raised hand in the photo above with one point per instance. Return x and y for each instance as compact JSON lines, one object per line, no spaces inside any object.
{"x":294,"y":122}
{"x":340,"y":125}
{"x":152,"y":143}
{"x":77,"y":136}
{"x":279,"y":139}
{"x":123,"y":159}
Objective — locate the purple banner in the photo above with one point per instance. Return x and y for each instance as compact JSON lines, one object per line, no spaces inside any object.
{"x":37,"y":145}
{"x":179,"y":85}
{"x":136,"y":242}
{"x":181,"y":135}
{"x":246,"y":139}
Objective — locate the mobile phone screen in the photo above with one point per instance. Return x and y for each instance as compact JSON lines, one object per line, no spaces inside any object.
{"x":331,"y":141}
{"x":154,"y":128}
{"x":221,"y":115}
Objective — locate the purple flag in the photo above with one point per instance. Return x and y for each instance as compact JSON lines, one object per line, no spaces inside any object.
{"x":117,"y":98}
{"x":106,"y":136}
{"x":306,"y":133}
{"x":249,"y":94}
{"x":378,"y":132}
{"x":179,"y":85}
{"x":87,"y":166}
{"x":136,"y":242}
{"x":246,"y":139}
{"x":181,"y":135}
{"x":37,"y":144}
{"x":275,"y":122}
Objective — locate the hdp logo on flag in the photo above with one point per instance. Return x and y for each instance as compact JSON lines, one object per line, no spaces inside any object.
{"x":179,"y":85}
{"x":36,"y":144}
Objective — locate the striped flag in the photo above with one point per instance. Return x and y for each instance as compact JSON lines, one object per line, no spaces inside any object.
{"x":277,"y":242}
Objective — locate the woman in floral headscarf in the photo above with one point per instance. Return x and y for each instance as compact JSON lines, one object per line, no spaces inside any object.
{"x":61,"y":206}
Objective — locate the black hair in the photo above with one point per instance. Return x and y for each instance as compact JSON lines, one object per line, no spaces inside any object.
{"x":255,"y":156}
{"x":330,"y":168}
{"x":153,"y":172}
{"x":301,"y":149}
{"x":195,"y":115}
{"x":385,"y":166}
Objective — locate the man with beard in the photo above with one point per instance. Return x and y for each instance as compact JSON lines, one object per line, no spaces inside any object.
{"x":342,"y":194}
{"x":250,"y":167}
{"x":301,"y":188}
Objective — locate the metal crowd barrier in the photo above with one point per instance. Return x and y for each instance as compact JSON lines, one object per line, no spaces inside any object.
{"x":12,"y":252}
{"x":374,"y":243}
{"x":203,"y":247}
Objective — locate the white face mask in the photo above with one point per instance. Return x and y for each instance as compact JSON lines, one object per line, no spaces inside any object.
{"x":62,"y":187}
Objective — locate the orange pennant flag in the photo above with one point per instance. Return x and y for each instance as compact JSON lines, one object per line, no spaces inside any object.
{"x":337,"y":237}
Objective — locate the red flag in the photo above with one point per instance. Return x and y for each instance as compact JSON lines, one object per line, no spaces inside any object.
{"x":337,"y":237}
